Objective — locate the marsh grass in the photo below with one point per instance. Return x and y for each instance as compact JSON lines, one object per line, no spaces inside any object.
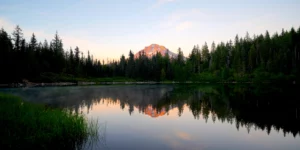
{"x":27,"y":125}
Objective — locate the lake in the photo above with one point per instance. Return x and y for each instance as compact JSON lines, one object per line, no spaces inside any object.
{"x":200,"y":117}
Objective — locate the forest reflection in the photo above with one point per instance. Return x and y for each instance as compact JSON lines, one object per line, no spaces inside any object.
{"x":252,"y":107}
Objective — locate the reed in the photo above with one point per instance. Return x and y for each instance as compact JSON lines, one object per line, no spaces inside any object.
{"x":27,"y":125}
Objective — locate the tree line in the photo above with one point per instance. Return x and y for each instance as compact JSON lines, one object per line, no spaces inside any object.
{"x":259,"y":58}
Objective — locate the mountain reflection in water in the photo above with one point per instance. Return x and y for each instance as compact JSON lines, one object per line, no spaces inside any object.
{"x":255,"y":108}
{"x":169,"y":117}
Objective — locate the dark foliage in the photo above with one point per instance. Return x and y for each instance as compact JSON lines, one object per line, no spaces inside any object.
{"x":264,"y":58}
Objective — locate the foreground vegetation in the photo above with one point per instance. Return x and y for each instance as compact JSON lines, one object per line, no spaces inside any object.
{"x":261,"y":58}
{"x":25,"y":125}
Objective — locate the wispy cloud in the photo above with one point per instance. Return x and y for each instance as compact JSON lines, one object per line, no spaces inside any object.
{"x":182,"y":20}
{"x":162,"y":2}
{"x":184,"y":25}
{"x":159,"y":3}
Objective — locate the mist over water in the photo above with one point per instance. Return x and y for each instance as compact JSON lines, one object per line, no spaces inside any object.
{"x":181,"y":116}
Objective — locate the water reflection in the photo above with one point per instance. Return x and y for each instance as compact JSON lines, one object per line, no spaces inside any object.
{"x":251,"y":107}
{"x":259,"y":107}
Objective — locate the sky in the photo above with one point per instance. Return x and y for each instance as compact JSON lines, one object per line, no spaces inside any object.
{"x":110,"y":28}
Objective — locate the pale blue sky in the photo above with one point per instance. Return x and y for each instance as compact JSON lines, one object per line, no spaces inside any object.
{"x":111,"y":28}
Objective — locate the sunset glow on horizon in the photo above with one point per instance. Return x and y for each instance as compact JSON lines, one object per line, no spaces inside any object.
{"x":109,"y":29}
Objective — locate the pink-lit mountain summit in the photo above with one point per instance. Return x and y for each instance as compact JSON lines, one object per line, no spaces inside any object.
{"x":152,"y":49}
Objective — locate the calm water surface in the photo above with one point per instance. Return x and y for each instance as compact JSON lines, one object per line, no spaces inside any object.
{"x":182,"y":117}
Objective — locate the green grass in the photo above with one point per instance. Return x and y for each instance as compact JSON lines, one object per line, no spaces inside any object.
{"x":26,"y":125}
{"x":53,"y":77}
{"x":218,"y":76}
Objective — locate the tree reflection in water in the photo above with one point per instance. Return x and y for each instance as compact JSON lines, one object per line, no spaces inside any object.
{"x":253,"y":107}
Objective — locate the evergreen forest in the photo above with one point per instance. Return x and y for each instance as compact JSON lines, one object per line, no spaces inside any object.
{"x":258,"y":58}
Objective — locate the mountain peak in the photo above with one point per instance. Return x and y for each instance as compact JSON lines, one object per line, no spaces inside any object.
{"x":153,"y":49}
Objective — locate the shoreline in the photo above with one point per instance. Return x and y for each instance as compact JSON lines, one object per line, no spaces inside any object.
{"x":79,"y":83}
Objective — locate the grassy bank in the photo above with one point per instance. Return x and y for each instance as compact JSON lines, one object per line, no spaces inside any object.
{"x":26,"y":125}
{"x":52,"y":77}
{"x":223,"y":77}
{"x":257,"y":76}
